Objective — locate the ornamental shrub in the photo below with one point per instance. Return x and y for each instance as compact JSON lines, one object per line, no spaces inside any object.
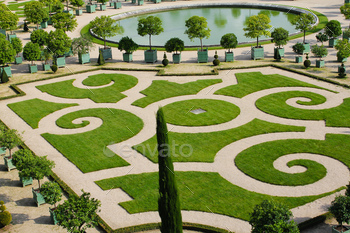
{"x":5,"y":216}
{"x":101,"y":61}
{"x":54,"y":68}
{"x":307,"y":63}
{"x":298,"y":48}
{"x":165,"y":61}
{"x":216,"y":61}
{"x":4,"y":77}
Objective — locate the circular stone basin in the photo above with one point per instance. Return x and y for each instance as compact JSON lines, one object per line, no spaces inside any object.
{"x":221,"y":20}
{"x":200,"y":112}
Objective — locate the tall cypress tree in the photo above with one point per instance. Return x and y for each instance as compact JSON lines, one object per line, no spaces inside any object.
{"x":168,"y":202}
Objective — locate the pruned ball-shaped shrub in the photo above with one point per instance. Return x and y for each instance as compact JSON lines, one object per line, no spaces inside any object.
{"x":216,"y":62}
{"x":307,"y":63}
{"x":165,"y":60}
{"x":5,"y":218}
{"x":54,"y":68}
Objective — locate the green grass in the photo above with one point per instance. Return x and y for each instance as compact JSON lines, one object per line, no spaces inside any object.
{"x":260,"y":165}
{"x":88,"y":150}
{"x":217,"y":111}
{"x":110,"y":94}
{"x":275,"y":104}
{"x":15,"y":6}
{"x":161,"y":89}
{"x":199,"y":191}
{"x":32,"y":111}
{"x":206,"y":145}
{"x":255,"y":81}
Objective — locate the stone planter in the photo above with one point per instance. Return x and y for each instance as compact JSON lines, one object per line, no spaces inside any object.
{"x":257,"y":53}
{"x":46,"y":67}
{"x":133,"y":1}
{"x":334,"y":230}
{"x":44,"y":24}
{"x":140,"y":2}
{"x":157,"y":1}
{"x":176,"y":58}
{"x":38,"y":197}
{"x":33,"y":68}
{"x":69,"y":11}
{"x":117,"y":5}
{"x":60,"y":61}
{"x":69,"y":53}
{"x":3,"y":31}
{"x":107,"y":53}
{"x":346,"y":1}
{"x":26,"y":181}
{"x":150,"y":56}
{"x":49,"y":22}
{"x":127,"y":57}
{"x":84,"y":58}
{"x":340,"y":59}
{"x":7,"y":69}
{"x":2,"y":150}
{"x":90,"y":8}
{"x":111,"y":3}
{"x":229,"y":56}
{"x":298,"y":59}
{"x":281,"y":51}
{"x":10,"y":36}
{"x":53,"y":216}
{"x":18,"y":60}
{"x":8,"y":163}
{"x":345,"y":36}
{"x":320,"y":63}
{"x":103,"y":7}
{"x":78,"y":12}
{"x":332,"y":42}
{"x":307,"y":48}
{"x":202,"y":56}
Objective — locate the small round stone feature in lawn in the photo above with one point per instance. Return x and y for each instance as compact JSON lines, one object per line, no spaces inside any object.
{"x":200,"y":112}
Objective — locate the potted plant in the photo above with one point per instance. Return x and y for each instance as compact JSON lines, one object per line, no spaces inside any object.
{"x":52,"y":194}
{"x":82,"y":46}
{"x":59,"y":43}
{"x":341,"y":70}
{"x":7,"y":55}
{"x":175,"y":44}
{"x":32,"y":52}
{"x":345,"y":9}
{"x":35,"y":12}
{"x":46,"y":56}
{"x":343,"y":50}
{"x":140,"y":2}
{"x":17,"y":46}
{"x":117,"y":5}
{"x":340,"y":208}
{"x":150,"y":26}
{"x":104,"y":27}
{"x":333,"y":30}
{"x":64,"y":21}
{"x":8,"y":21}
{"x":320,"y":52}
{"x":78,"y":4}
{"x":322,"y":37}
{"x":129,"y":46}
{"x":304,"y":22}
{"x":90,"y":8}
{"x":346,"y":34}
{"x":103,"y":5}
{"x":229,"y":41}
{"x":257,"y":25}
{"x":299,"y":48}
{"x":280,"y":38}
{"x":21,"y":159}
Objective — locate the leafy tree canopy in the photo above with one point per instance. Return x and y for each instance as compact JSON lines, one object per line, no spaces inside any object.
{"x":345,"y":10}
{"x":21,"y":158}
{"x":77,"y":3}
{"x":343,"y":47}
{"x":340,"y":208}
{"x":8,"y":20}
{"x":39,"y":37}
{"x":17,"y":44}
{"x":151,"y":26}
{"x":7,"y":52}
{"x":58,"y":42}
{"x":127,"y":44}
{"x":52,"y":192}
{"x":31,"y":52}
{"x":333,"y":29}
{"x":229,"y":41}
{"x":197,"y":27}
{"x":104,"y":27}
{"x":174,"y":44}
{"x":319,"y":51}
{"x":321,"y":37}
{"x":64,"y":21}
{"x":304,"y":23}
{"x":82,"y":45}
{"x":256,"y":26}
{"x":10,"y":138}
{"x":35,"y":12}
{"x":280,"y":36}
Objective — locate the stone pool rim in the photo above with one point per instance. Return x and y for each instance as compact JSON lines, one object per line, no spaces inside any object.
{"x":282,"y":8}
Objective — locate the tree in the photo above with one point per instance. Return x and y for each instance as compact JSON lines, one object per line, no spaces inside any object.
{"x":5,"y":216}
{"x":343,"y":47}
{"x":127,"y":44}
{"x":272,"y":217}
{"x":319,"y":51}
{"x":104,"y":27}
{"x":21,"y":159}
{"x":58,"y":42}
{"x":229,"y":41}
{"x":174,"y":44}
{"x":298,"y":48}
{"x":31,"y":52}
{"x":49,"y":3}
{"x":64,"y":21}
{"x":197,"y":27}
{"x":168,"y":202}
{"x":10,"y":139}
{"x":151,"y":26}
{"x":35,"y":12}
{"x":52,"y":192}
{"x":321,"y":37}
{"x":39,"y":37}
{"x":257,"y":25}
{"x":17,"y":45}
{"x":8,"y":20}
{"x":78,"y":213}
{"x":67,"y":4}
{"x":345,"y":10}
{"x":304,"y":23}
{"x":340,"y":208}
{"x":82,"y":45}
{"x":333,"y":29}
{"x":7,"y":52}
{"x":77,"y":3}
{"x":280,"y":37}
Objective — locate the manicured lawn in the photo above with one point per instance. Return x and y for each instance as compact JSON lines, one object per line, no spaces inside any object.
{"x":260,"y":165}
{"x":32,"y":111}
{"x":255,"y":81}
{"x":217,"y":111}
{"x":275,"y":104}
{"x":200,"y":191}
{"x":88,"y":150}
{"x":15,"y":6}
{"x":161,"y":89}
{"x":110,"y":94}
{"x":206,"y":145}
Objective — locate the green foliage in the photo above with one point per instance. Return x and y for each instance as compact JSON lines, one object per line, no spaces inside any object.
{"x":347,"y":192}
{"x":333,"y":29}
{"x":8,"y":20}
{"x":7,"y":52}
{"x":5,"y":216}
{"x":307,"y":63}
{"x":10,"y":139}
{"x":272,"y":217}
{"x":229,"y":41}
{"x":82,"y":45}
{"x":39,"y":37}
{"x":105,"y":26}
{"x":64,"y":21}
{"x":151,"y":26}
{"x":58,"y":42}
{"x":340,"y":208}
{"x":165,"y":60}
{"x":46,"y":55}
{"x":31,"y":52}
{"x":17,"y":45}
{"x":216,"y":61}
{"x":22,"y":158}
{"x":57,"y":7}
{"x":4,"y":77}
{"x":54,"y":68}
{"x":127,"y":44}
{"x":343,"y":47}
{"x":342,"y":74}
{"x":321,"y":37}
{"x":174,"y":44}
{"x":276,"y":54}
{"x":346,"y":32}
{"x":101,"y":60}
{"x":168,"y":203}
{"x":257,"y":25}
{"x":298,"y":48}
{"x":319,"y":51}
{"x":304,"y":23}
{"x":49,"y":3}
{"x":78,"y":213}
{"x":35,"y":12}
{"x":52,"y":192}
{"x":77,"y":3}
{"x":197,"y":27}
{"x":280,"y":36}
{"x":345,"y":10}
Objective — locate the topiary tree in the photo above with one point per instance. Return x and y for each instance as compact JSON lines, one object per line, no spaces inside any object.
{"x":280,"y":37}
{"x":104,"y":27}
{"x":197,"y":27}
{"x":342,"y":74}
{"x":54,"y":68}
{"x":8,"y":20}
{"x":298,"y":48}
{"x":17,"y":45}
{"x":64,"y":21}
{"x":272,"y":217}
{"x":5,"y":216}
{"x":127,"y":44}
{"x":52,"y":192}
{"x":31,"y":52}
{"x":229,"y":41}
{"x":4,"y":77}
{"x":39,"y":37}
{"x":165,"y":60}
{"x":168,"y":202}
{"x":216,"y":61}
{"x":333,"y":29}
{"x":340,"y":208}
{"x":10,"y":139}
{"x":321,"y":37}
{"x":304,"y":23}
{"x":345,"y":10}
{"x":78,"y":213}
{"x":307,"y":62}
{"x":343,"y":47}
{"x":257,"y":25}
{"x":319,"y":51}
{"x":151,"y":26}
{"x":174,"y":44}
{"x":58,"y":42}
{"x":7,"y":52}
{"x":35,"y":12}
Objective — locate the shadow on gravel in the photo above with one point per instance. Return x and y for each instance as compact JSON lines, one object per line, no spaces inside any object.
{"x":44,"y":219}
{"x":19,"y":218}
{"x":10,"y":183}
{"x":5,"y":198}
{"x":26,"y":202}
